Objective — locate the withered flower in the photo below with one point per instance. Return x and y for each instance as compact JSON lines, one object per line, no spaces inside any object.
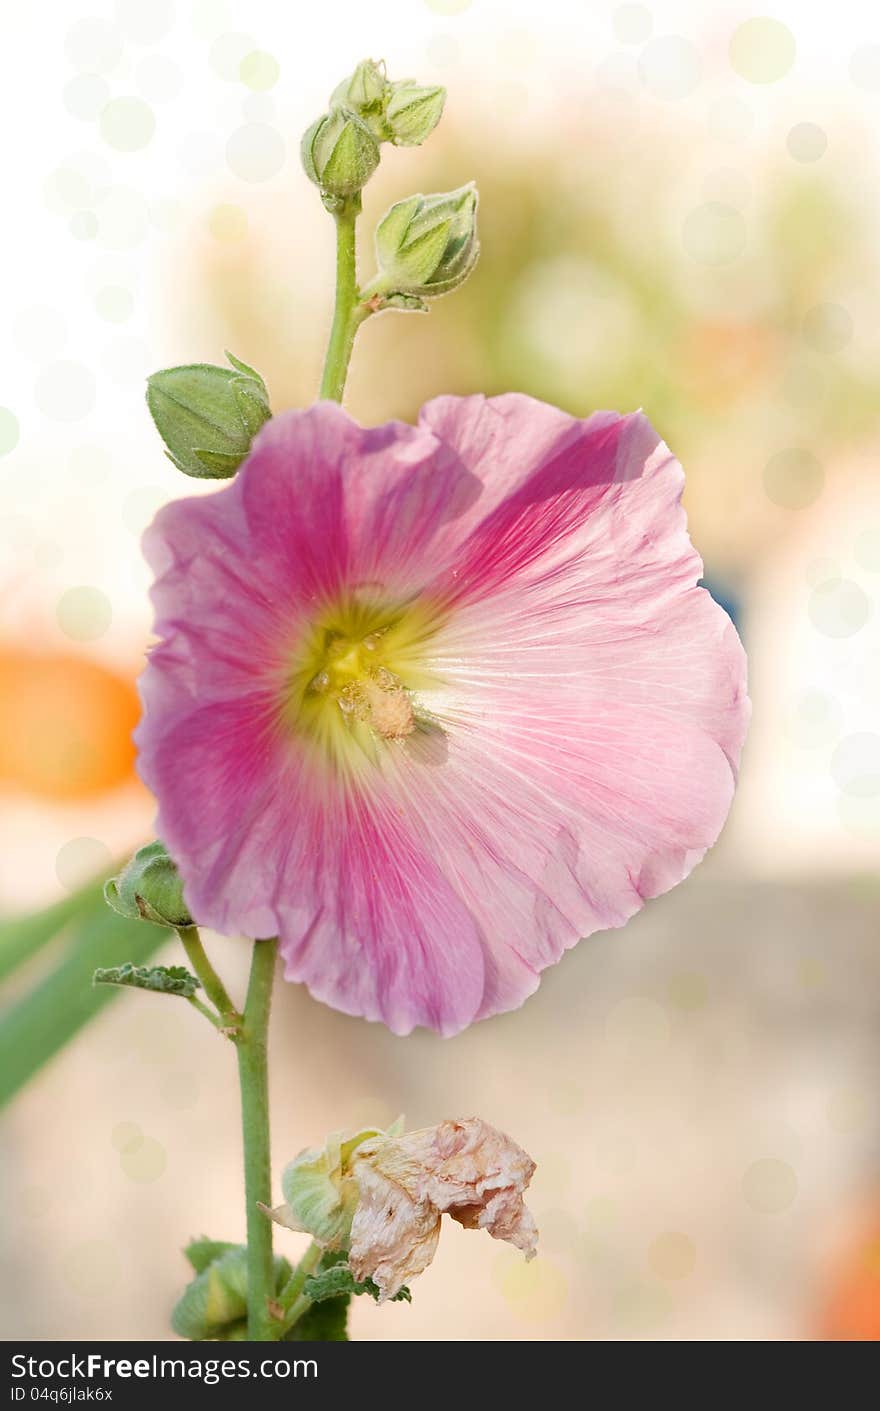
{"x":466,"y":1169}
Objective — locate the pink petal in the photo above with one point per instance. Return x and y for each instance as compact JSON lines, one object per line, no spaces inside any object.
{"x":577,"y":758}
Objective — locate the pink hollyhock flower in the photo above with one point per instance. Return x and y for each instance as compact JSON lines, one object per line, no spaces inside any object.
{"x":431,"y":703}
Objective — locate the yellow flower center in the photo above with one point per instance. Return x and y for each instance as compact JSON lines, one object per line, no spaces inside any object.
{"x":355,"y":675}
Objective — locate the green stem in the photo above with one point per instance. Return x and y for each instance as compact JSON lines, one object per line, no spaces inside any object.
{"x":300,"y":1306}
{"x":291,"y":1299}
{"x":209,"y":1014}
{"x":349,"y":312}
{"x":253,"y":1076}
{"x":211,"y":983}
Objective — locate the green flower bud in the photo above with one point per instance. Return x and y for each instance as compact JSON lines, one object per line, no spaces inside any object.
{"x":319,"y":1190}
{"x":149,"y":889}
{"x":412,"y":112}
{"x":363,"y":91}
{"x":339,"y":153}
{"x":214,"y":1306}
{"x":425,"y":246}
{"x":207,"y":416}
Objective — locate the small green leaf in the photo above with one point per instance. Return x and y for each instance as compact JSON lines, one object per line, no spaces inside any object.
{"x":325,"y":1321}
{"x":339,"y":1280}
{"x":163,"y":979}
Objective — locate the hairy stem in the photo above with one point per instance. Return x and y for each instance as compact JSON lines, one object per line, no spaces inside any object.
{"x":212,"y":985}
{"x":291,"y":1300}
{"x":209,"y":1014}
{"x":253,"y":1074}
{"x":349,"y":312}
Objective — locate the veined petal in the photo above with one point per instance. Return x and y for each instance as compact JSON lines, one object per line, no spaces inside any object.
{"x":432,"y":703}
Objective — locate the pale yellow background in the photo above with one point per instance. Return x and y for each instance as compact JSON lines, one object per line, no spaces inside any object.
{"x":700,"y":1090}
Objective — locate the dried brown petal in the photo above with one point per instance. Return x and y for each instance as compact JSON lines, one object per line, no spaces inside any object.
{"x":467,"y":1169}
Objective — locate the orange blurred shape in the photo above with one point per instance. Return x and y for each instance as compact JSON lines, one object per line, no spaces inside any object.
{"x":65,"y":724}
{"x":852,"y":1313}
{"x":721,"y":361}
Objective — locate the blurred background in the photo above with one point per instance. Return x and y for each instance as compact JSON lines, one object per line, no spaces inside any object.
{"x":679,"y":210}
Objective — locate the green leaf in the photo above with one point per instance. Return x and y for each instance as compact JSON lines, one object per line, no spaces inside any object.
{"x":163,"y":979}
{"x":235,"y":1332}
{"x":41,"y":1023}
{"x":215,"y":1299}
{"x":202,"y":1252}
{"x":23,"y":936}
{"x":326,"y":1321}
{"x":323,"y":1322}
{"x":337,"y":1280}
{"x":213,"y":1306}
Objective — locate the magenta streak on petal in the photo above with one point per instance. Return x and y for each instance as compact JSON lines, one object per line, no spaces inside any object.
{"x":575,"y":757}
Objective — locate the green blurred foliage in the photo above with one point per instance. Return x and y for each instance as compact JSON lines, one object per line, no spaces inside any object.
{"x":592,"y":291}
{"x":88,"y":936}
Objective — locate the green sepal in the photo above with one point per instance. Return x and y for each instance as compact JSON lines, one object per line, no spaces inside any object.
{"x":163,"y":979}
{"x":319,"y":1190}
{"x":245,"y":369}
{"x":393,"y":227}
{"x":252,"y":406}
{"x":409,"y":303}
{"x":218,"y":465}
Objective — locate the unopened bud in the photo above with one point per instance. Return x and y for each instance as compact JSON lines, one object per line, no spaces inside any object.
{"x":207,"y":416}
{"x":404,"y":113}
{"x":425,"y":246}
{"x":412,"y":112}
{"x":149,"y":889}
{"x":339,"y":153}
{"x":363,"y":91}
